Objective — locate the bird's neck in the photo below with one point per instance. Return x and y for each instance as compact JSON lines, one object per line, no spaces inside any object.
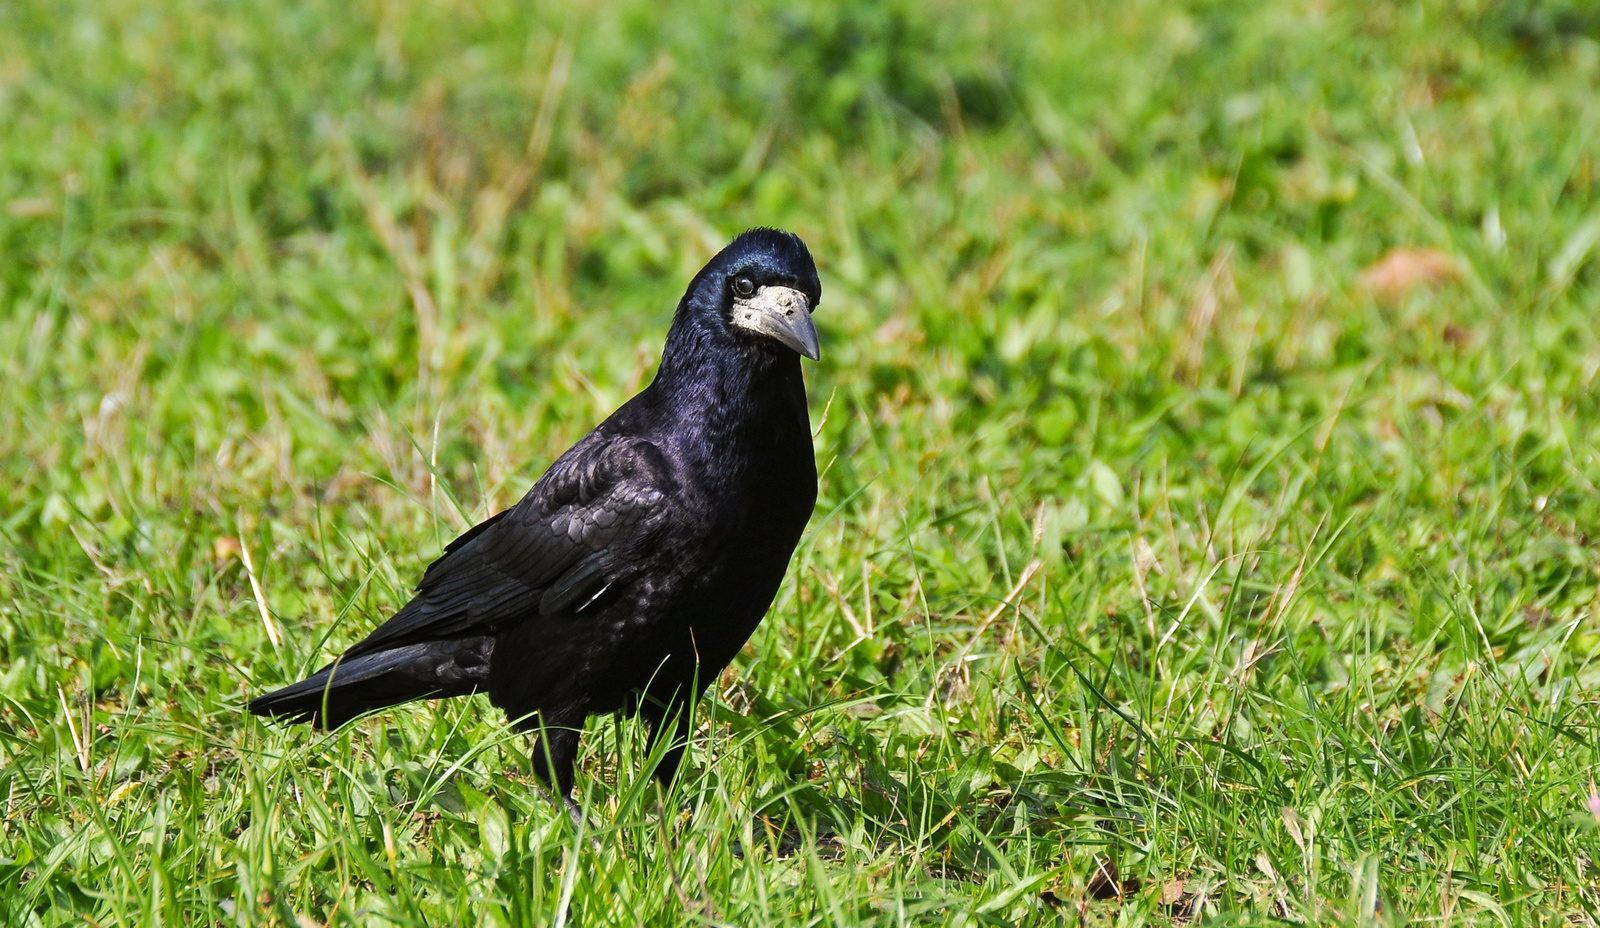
{"x":722,"y":386}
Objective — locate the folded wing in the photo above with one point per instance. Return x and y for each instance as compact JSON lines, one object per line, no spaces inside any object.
{"x":578,"y":531}
{"x":553,"y":551}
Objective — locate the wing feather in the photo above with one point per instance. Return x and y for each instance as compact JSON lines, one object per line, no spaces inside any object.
{"x":554,"y":551}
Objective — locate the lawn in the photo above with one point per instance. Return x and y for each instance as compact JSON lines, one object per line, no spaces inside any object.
{"x":1209,"y":418}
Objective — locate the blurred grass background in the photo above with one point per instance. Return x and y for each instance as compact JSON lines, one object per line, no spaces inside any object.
{"x":1208,"y":410}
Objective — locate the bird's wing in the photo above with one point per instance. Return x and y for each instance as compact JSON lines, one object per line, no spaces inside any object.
{"x":559,"y":548}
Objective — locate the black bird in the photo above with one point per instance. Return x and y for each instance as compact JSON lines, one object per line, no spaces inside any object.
{"x":639,"y":564}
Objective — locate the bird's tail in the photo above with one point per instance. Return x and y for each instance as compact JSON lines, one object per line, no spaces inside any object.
{"x":353,"y":686}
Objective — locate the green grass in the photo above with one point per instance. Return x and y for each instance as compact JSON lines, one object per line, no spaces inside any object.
{"x":1312,"y":633}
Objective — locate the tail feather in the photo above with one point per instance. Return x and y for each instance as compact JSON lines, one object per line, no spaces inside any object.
{"x":346,"y":689}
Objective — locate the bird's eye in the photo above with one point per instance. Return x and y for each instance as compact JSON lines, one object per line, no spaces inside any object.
{"x":743,"y":286}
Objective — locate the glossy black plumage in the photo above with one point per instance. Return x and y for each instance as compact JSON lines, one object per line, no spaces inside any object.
{"x":639,"y":564}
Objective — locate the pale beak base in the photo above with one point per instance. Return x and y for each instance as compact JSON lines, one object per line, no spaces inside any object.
{"x":781,"y":313}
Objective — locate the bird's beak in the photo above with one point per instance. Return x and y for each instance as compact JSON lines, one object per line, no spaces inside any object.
{"x":780,"y":313}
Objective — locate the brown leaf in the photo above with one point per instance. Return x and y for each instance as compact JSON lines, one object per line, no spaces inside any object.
{"x":1104,"y":884}
{"x":1400,"y":271}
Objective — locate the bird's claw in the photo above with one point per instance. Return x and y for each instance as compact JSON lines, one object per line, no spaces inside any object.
{"x":575,"y":815}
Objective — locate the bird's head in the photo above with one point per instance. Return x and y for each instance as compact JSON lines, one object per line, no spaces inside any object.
{"x":761,"y":290}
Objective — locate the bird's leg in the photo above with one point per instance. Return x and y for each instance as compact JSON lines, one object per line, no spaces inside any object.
{"x":554,"y":753}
